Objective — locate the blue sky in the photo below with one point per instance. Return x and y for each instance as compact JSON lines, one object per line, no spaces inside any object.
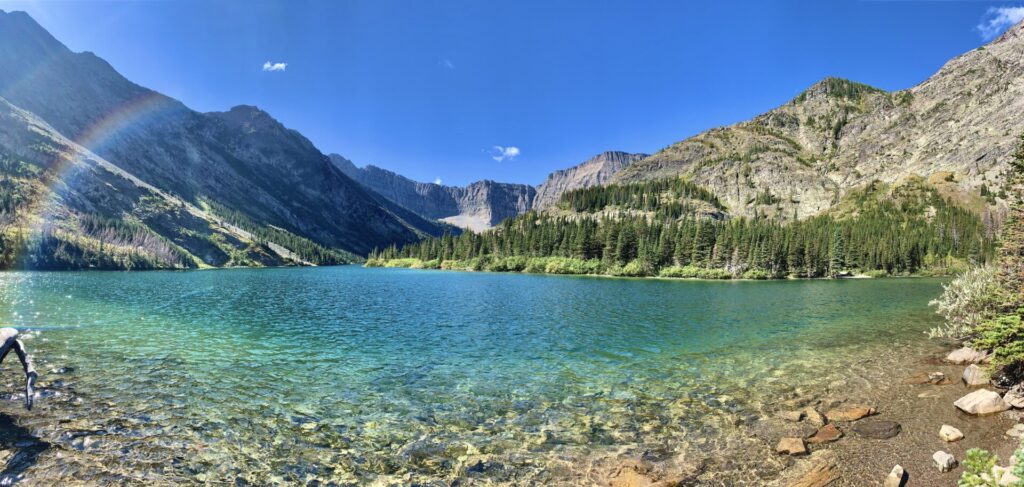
{"x":466,"y":90}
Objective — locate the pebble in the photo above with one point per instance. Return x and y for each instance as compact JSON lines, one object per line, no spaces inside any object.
{"x":814,"y":417}
{"x":825,"y":434}
{"x":849,"y":413}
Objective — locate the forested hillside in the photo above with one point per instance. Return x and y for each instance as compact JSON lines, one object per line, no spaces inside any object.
{"x":671,"y":228}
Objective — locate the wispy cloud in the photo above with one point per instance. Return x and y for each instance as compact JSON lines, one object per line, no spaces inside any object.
{"x":499,"y":153}
{"x":437,"y":181}
{"x":269,"y":66}
{"x":998,"y":19}
{"x":446,"y":63}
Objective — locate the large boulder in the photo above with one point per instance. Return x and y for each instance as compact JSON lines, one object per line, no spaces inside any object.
{"x":975,"y":375}
{"x":966,"y":355}
{"x":981,"y":402}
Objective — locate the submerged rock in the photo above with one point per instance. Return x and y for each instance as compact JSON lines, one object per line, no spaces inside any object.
{"x":849,"y":413}
{"x":966,"y":355}
{"x":814,"y":417}
{"x":793,"y":416}
{"x":944,"y":461}
{"x":981,"y":402}
{"x":791,"y":446}
{"x":896,"y":478}
{"x":877,"y":429}
{"x":825,"y":434}
{"x":820,"y":471}
{"x":1017,"y":431}
{"x":976,"y":376}
{"x":949,"y":433}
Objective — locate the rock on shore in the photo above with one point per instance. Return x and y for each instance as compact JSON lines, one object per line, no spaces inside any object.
{"x":982,"y":402}
{"x":966,"y":355}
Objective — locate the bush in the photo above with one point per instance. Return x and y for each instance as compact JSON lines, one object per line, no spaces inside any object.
{"x":536,"y":265}
{"x":454,"y":265}
{"x":432,"y":264}
{"x":978,"y":466}
{"x":405,"y":263}
{"x":635,"y":268}
{"x":966,"y":302}
{"x":565,"y":265}
{"x":877,"y":273}
{"x":756,"y":274}
{"x":1004,"y":335}
{"x":688,"y":272}
{"x":508,"y":264}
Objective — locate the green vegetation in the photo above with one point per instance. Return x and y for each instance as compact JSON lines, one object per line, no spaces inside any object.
{"x":842,"y":88}
{"x":912,"y":231}
{"x":305,"y":249}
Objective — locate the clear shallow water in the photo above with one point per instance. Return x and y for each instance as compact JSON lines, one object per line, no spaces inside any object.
{"x":355,"y":375}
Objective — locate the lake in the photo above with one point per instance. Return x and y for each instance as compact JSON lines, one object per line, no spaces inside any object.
{"x":356,"y":375}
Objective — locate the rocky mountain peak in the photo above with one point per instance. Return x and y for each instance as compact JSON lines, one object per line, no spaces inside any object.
{"x":20,"y":31}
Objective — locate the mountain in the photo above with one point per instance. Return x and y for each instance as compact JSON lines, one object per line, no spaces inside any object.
{"x":478,"y":206}
{"x":956,"y":129}
{"x":240,"y":162}
{"x":484,"y":204}
{"x":596,"y":171}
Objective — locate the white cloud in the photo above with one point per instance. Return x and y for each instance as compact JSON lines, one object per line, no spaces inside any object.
{"x":269,"y":66}
{"x":446,"y":63}
{"x":499,"y":153}
{"x":996,"y":20}
{"x":437,"y":181}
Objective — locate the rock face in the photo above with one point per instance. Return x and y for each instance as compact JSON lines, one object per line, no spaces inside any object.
{"x":878,"y":430}
{"x":981,"y":402}
{"x":479,"y":206}
{"x":594,"y":172}
{"x":242,"y":159}
{"x":975,"y":376}
{"x":949,"y":433}
{"x":959,"y":127}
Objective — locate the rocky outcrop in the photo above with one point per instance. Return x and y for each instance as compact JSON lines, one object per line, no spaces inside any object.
{"x":478,"y":206}
{"x":596,"y":171}
{"x":957,"y":128}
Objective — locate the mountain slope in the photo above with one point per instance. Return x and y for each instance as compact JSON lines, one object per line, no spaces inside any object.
{"x":596,"y":171}
{"x":241,"y":159}
{"x":958,"y":127}
{"x":479,"y":206}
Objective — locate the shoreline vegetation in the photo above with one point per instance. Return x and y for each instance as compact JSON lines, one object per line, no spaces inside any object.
{"x":576,"y":267}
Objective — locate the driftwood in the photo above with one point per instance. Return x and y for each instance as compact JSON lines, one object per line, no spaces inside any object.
{"x":9,"y":338}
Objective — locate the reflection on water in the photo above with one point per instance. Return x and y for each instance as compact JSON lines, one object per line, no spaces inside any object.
{"x":352,"y":375}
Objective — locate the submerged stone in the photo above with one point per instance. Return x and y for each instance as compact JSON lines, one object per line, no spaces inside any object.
{"x":825,"y":434}
{"x":849,"y":413}
{"x":791,"y":446}
{"x":943,"y":461}
{"x":966,"y":355}
{"x":877,"y":429}
{"x":975,"y":376}
{"x":949,"y":433}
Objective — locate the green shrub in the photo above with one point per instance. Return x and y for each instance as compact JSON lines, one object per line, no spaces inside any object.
{"x":536,"y":265}
{"x":1004,"y":335}
{"x":405,"y":263}
{"x":454,"y":265}
{"x":966,"y":302}
{"x":565,"y":265}
{"x":635,"y":268}
{"x":687,"y":272}
{"x":978,"y":469}
{"x":432,"y":264}
{"x":877,"y":273}
{"x":756,"y":274}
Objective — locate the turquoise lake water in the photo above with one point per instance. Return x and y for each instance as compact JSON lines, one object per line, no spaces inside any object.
{"x":356,"y":375}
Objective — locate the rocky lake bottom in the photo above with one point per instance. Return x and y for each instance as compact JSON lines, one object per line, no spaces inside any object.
{"x":352,"y":376}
